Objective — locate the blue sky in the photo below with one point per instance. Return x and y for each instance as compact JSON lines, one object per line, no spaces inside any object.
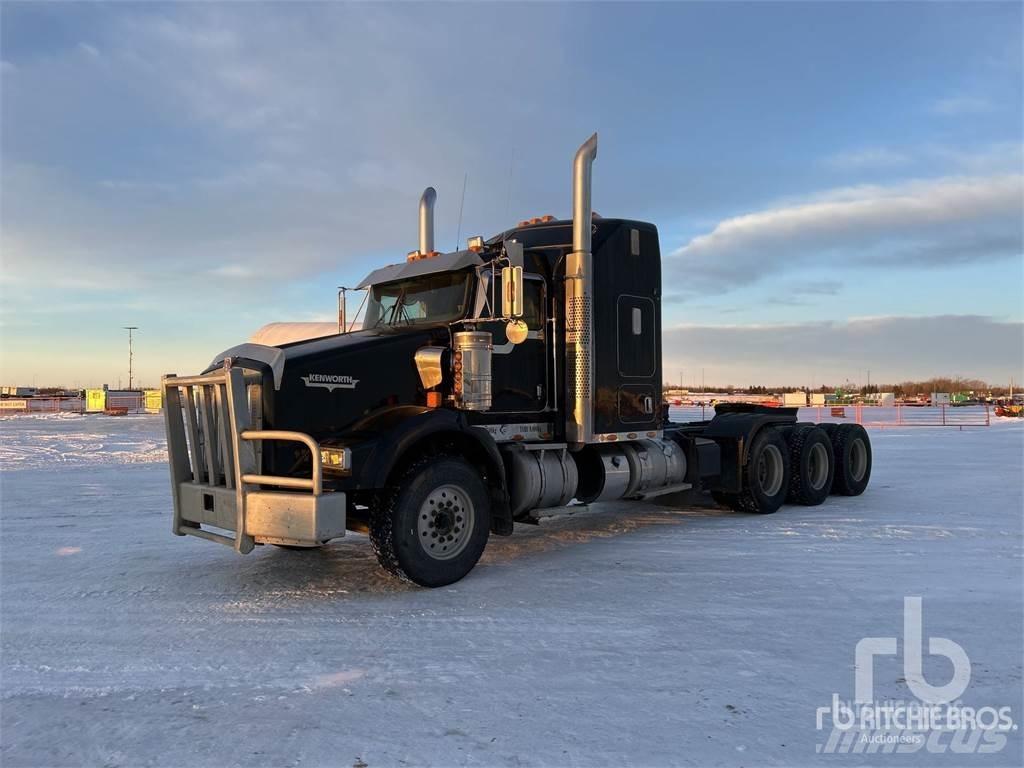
{"x":838,"y":187}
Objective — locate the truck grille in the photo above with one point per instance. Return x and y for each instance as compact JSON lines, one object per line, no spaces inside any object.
{"x":207,"y":423}
{"x":214,"y":443}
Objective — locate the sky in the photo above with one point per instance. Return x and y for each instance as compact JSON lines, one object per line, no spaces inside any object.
{"x":838,"y":188}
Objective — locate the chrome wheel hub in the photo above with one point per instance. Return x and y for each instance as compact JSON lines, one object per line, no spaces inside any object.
{"x":445,"y":522}
{"x":858,"y":459}
{"x":770,"y":470}
{"x":818,"y":466}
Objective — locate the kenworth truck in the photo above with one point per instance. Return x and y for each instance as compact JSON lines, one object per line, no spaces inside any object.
{"x":485,"y":387}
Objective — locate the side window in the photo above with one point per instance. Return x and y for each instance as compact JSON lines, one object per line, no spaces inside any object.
{"x":533,"y":304}
{"x":487,"y":307}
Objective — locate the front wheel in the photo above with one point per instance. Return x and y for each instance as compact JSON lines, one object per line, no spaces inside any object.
{"x":432,"y":526}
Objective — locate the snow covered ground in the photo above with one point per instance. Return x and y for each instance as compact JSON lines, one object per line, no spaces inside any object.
{"x":628,"y":634}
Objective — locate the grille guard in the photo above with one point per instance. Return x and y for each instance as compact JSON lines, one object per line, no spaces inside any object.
{"x":214,"y":449}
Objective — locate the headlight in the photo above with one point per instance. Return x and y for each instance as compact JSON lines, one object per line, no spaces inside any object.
{"x":337,"y":460}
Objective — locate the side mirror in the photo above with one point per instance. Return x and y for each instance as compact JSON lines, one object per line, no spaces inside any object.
{"x":512,"y":291}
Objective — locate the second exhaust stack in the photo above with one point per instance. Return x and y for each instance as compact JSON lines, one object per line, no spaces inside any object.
{"x":579,"y":292}
{"x":427,"y":200}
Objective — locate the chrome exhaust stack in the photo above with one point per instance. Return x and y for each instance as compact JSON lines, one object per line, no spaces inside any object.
{"x":427,"y":200}
{"x":579,"y":292}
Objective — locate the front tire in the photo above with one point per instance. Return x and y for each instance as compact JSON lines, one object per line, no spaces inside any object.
{"x":432,"y":525}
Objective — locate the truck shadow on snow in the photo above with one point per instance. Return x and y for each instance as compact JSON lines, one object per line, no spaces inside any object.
{"x":349,"y":566}
{"x":598,"y":521}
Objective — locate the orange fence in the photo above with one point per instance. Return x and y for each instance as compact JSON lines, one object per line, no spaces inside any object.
{"x":882,"y":417}
{"x":133,"y":402}
{"x":42,"y":405}
{"x":877,"y":416}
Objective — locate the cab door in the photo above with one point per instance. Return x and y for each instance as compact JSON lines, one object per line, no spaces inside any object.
{"x":519,"y":371}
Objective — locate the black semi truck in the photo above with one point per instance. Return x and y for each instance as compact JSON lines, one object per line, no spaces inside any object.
{"x":485,"y":387}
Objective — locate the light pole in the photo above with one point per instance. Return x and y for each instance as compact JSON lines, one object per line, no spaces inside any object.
{"x":130,"y":328}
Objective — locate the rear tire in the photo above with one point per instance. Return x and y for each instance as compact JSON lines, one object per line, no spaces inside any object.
{"x":829,"y":429}
{"x":812,"y":466}
{"x":851,"y":449}
{"x":432,"y":525}
{"x":765,"y":474}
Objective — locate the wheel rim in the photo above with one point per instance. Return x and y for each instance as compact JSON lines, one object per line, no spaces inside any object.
{"x":817,"y":469}
{"x":769,"y":470}
{"x":445,"y":522}
{"x":858,"y":459}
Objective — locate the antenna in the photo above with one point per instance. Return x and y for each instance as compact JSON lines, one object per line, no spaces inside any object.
{"x":129,"y":328}
{"x":458,"y":231}
{"x":508,"y":192}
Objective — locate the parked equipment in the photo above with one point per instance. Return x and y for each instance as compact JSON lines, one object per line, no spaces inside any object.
{"x":484,"y":388}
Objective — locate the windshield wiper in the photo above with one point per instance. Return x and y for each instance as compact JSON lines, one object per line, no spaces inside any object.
{"x":393,"y":315}
{"x":404,"y":313}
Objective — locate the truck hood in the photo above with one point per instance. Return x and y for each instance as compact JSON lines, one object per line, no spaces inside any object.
{"x":274,"y":357}
{"x":326,"y":385}
{"x":279,"y":334}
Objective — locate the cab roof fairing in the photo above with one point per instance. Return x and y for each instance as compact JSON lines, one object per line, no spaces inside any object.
{"x":444,"y":262}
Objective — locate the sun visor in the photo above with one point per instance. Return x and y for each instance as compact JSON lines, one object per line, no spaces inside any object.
{"x":443,"y":262}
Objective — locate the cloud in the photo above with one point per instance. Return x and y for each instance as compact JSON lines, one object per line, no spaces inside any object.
{"x":817,"y":287}
{"x":212,"y":135}
{"x":964,"y":249}
{"x":799,"y":293}
{"x":962,"y":219}
{"x":871,"y":157}
{"x":893,"y":348}
{"x":232,"y":270}
{"x":134,"y":186}
{"x":961,"y":105}
{"x":977,"y":160}
{"x":992,"y":158}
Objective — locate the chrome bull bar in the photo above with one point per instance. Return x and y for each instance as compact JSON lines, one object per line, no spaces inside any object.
{"x":214,"y":452}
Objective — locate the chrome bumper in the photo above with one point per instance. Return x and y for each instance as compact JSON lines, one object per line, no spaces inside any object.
{"x":214,"y":459}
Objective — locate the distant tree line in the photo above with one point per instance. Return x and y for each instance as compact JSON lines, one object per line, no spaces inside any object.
{"x":946,"y":384}
{"x":903,"y":389}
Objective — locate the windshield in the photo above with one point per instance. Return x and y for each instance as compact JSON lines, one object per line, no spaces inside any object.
{"x":428,"y":299}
